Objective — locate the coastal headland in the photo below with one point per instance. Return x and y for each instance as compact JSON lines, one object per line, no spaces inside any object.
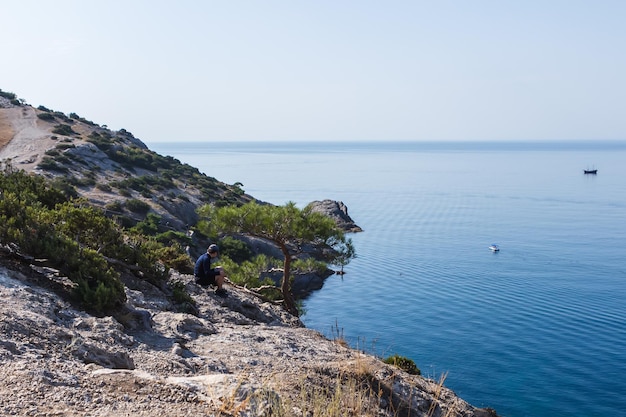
{"x":234,"y":356}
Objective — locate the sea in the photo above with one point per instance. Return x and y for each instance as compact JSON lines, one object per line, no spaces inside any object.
{"x":536,"y":329}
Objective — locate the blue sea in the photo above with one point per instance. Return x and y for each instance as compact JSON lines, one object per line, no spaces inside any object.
{"x":537,"y":329}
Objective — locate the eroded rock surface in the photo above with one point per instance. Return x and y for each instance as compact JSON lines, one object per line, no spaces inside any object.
{"x":235,"y":356}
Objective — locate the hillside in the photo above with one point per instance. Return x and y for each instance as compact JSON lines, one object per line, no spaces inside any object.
{"x":108,"y":168}
{"x":234,"y":356}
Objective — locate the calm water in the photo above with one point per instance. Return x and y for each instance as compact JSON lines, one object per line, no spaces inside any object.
{"x":538,"y":329}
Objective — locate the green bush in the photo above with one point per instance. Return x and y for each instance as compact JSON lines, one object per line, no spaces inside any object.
{"x":63,"y":235}
{"x":99,"y":287}
{"x":115,"y":206}
{"x":7,"y":95}
{"x":131,"y":157}
{"x":78,"y":239}
{"x":63,"y":146}
{"x":30,"y":189}
{"x":82,"y":182}
{"x":403,"y":363}
{"x":148,"y":226}
{"x":102,"y":142}
{"x":46,"y":116}
{"x":137,"y":206}
{"x":104,"y":187}
{"x":235,"y":249}
{"x":64,"y":187}
{"x":49,"y":164}
{"x":172,"y":237}
{"x":146,"y":253}
{"x":173,"y":257}
{"x":62,"y":129}
{"x":180,"y":294}
{"x":62,"y":116}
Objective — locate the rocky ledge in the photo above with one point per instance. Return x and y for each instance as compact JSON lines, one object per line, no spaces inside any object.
{"x":233,"y":356}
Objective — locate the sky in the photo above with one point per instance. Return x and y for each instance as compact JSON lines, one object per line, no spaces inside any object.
{"x":289,"y":70}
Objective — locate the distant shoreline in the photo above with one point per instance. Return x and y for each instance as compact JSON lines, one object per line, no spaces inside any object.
{"x":393,"y":146}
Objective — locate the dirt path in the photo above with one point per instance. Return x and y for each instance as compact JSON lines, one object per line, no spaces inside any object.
{"x":21,"y":139}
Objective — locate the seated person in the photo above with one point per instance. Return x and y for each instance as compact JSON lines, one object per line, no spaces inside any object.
{"x":207,"y":273}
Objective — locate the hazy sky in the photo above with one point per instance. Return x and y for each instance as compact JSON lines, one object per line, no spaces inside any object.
{"x":324,"y":70}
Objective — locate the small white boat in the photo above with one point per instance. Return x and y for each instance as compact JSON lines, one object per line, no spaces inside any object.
{"x":494,"y":248}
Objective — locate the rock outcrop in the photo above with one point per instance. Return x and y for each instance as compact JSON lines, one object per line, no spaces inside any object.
{"x":235,"y":356}
{"x":337,"y":211}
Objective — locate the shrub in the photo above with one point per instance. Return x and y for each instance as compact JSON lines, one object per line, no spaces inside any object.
{"x":137,"y":206}
{"x":46,"y":116}
{"x":173,"y":257}
{"x":101,"y":142}
{"x":131,"y":157}
{"x":35,"y":217}
{"x":62,"y":159}
{"x":180,"y":294}
{"x":115,"y":206}
{"x":82,"y":182}
{"x":148,"y":226}
{"x":235,"y":249}
{"x":99,"y":287}
{"x":147,"y":254}
{"x":50,"y":164}
{"x":65,"y":130}
{"x":65,"y":188}
{"x":78,"y":240}
{"x":104,"y":187}
{"x":63,"y":146}
{"x":7,"y":95}
{"x":403,"y":363}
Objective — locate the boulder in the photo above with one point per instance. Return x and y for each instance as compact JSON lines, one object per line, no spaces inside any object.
{"x":337,"y":211}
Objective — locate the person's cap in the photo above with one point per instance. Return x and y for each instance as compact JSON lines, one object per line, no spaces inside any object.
{"x":213,"y":248}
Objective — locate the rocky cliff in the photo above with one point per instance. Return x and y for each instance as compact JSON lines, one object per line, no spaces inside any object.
{"x":233,"y":356}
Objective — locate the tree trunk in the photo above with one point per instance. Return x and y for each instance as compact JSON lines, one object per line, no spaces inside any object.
{"x":288,"y":301}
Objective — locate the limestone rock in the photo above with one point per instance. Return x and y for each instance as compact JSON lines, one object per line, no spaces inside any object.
{"x":337,"y":211}
{"x":236,"y":356}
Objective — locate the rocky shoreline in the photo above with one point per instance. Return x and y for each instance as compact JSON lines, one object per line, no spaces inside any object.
{"x":233,"y":356}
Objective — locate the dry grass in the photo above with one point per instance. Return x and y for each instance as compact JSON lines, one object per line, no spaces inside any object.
{"x":333,"y":390}
{"x":437,"y":394}
{"x":6,"y":130}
